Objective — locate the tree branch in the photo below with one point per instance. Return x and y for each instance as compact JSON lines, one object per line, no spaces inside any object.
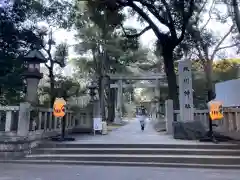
{"x":50,"y":40}
{"x":151,"y":8}
{"x":171,"y":24}
{"x":146,"y":18}
{"x":47,"y":66}
{"x":137,"y":34}
{"x":229,"y":46}
{"x":216,"y":49}
{"x":200,"y":55}
{"x":201,"y":9}
{"x":46,"y":50}
{"x":186,"y":18}
{"x":210,"y":16}
{"x":193,"y":53}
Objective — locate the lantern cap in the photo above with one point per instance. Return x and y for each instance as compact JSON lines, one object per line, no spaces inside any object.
{"x":32,"y":75}
{"x":35,"y":56}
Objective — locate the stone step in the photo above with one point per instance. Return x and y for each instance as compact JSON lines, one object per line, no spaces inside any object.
{"x":185,"y":159}
{"x":114,"y":163}
{"x":179,"y":145}
{"x":175,"y":151}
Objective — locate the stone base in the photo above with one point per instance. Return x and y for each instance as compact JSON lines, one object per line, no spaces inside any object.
{"x":196,"y":131}
{"x":189,"y":130}
{"x":80,"y":130}
{"x":16,"y":149}
{"x":62,"y":139}
{"x":159,"y":124}
{"x":217,"y":137}
{"x":118,"y":120}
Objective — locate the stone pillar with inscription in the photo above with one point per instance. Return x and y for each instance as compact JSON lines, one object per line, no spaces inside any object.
{"x":185,"y":91}
{"x":186,"y":127}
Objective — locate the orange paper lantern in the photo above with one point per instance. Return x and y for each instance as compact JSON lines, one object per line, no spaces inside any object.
{"x":59,"y":107}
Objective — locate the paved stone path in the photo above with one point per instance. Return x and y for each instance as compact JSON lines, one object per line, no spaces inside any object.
{"x":132,"y":134}
{"x":50,"y":172}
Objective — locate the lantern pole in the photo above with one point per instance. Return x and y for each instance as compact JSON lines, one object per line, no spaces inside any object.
{"x":62,"y":137}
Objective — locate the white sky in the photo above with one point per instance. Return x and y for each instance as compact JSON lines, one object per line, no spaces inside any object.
{"x":149,"y":38}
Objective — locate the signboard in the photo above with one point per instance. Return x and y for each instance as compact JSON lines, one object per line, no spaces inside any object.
{"x":185,"y":91}
{"x":215,"y":110}
{"x":59,"y":107}
{"x":228,"y":93}
{"x":97,"y":124}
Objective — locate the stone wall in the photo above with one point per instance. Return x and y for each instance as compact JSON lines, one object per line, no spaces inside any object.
{"x":16,"y":149}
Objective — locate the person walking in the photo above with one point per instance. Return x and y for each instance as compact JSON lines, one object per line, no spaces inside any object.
{"x":142,"y":117}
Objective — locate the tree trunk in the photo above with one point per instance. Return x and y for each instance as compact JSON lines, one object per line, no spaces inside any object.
{"x":52,"y":89}
{"x":99,"y":87}
{"x":111,"y":105}
{"x":208,"y":70}
{"x":209,"y":73}
{"x":102,"y":97}
{"x":107,"y":97}
{"x":171,"y":76}
{"x":236,"y":14}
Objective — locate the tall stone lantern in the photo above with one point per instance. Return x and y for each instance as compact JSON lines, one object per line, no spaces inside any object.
{"x":95,"y":104}
{"x":94,"y":100}
{"x":32,"y":74}
{"x":92,"y":90}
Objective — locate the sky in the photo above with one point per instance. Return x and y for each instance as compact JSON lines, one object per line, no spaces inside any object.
{"x":149,"y":38}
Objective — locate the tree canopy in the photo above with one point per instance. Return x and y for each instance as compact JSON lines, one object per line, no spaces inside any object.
{"x":18,"y":33}
{"x":106,"y":45}
{"x":173,"y":15}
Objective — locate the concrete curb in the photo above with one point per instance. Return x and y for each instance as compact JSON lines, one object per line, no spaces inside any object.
{"x":127,"y":164}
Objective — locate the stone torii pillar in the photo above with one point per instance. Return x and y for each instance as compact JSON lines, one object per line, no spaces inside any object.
{"x":157,"y":97}
{"x":119,"y":114}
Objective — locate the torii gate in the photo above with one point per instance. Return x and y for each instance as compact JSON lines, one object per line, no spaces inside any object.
{"x":158,"y":77}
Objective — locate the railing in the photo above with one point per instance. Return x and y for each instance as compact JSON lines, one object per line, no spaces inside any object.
{"x":42,"y":122}
{"x":8,"y":118}
{"x":232,"y":119}
{"x":201,"y":115}
{"x":79,"y":101}
{"x":230,"y":122}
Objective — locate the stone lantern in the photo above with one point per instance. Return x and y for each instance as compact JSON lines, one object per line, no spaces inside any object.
{"x":32,"y":74}
{"x":95,"y":105}
{"x":92,"y":91}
